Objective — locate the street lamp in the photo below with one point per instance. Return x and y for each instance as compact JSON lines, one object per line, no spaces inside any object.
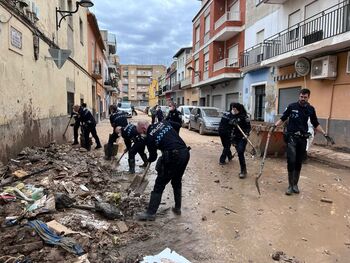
{"x":82,"y":3}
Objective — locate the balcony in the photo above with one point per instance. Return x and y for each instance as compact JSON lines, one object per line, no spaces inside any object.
{"x":125,"y":74}
{"x":141,"y":81}
{"x":112,"y":43}
{"x":176,"y":86}
{"x":97,"y":70}
{"x":226,"y":63}
{"x":229,"y":16}
{"x":144,"y":73}
{"x":205,"y":75}
{"x":186,"y":83}
{"x":206,"y":37}
{"x":320,"y":33}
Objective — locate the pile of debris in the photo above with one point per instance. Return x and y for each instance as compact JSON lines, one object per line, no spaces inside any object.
{"x":59,"y":204}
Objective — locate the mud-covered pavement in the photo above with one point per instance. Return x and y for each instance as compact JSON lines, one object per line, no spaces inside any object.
{"x":303,"y":227}
{"x":223,"y":217}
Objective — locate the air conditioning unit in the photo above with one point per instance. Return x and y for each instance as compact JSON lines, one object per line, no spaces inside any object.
{"x":324,"y":67}
{"x":348,"y":64}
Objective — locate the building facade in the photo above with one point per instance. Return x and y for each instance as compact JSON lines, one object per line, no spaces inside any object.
{"x":136,"y":80}
{"x":308,"y":48}
{"x":36,"y":95}
{"x":218,"y":38}
{"x":112,"y":70}
{"x":97,"y":67}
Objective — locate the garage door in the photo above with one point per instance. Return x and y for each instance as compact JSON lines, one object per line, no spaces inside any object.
{"x":217,"y":101}
{"x":231,"y":97}
{"x":287,"y":96}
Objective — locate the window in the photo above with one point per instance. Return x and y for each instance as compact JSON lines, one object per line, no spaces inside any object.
{"x":197,"y":34}
{"x":207,"y":23}
{"x":196,"y":65}
{"x":233,"y":56}
{"x":287,"y":96}
{"x":312,"y":9}
{"x":260,"y":36}
{"x":81,"y":30}
{"x":234,"y":13}
{"x":206,"y":62}
{"x":132,"y":80}
{"x":70,"y":102}
{"x":293,"y":26}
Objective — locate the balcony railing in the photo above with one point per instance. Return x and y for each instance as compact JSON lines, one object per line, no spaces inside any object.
{"x":226,"y":63}
{"x":228,"y":16}
{"x":329,"y":23}
{"x":196,"y":79}
{"x":97,"y":70}
{"x":186,"y":82}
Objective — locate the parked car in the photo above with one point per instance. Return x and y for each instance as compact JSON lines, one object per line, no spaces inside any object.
{"x":165,"y":110}
{"x":205,"y":120}
{"x":126,"y":106}
{"x":185,"y":114}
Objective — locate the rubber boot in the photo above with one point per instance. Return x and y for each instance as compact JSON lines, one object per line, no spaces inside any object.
{"x":290,"y":180}
{"x":150,"y":214}
{"x":109,"y":150}
{"x":131,"y":166}
{"x":177,"y":198}
{"x":295,"y":182}
{"x":144,"y":159}
{"x":243,"y":173}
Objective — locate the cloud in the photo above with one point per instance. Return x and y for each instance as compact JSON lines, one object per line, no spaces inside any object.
{"x":148,"y":31}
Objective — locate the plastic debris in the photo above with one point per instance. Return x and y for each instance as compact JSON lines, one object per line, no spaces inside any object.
{"x":165,"y":256}
{"x":51,"y":238}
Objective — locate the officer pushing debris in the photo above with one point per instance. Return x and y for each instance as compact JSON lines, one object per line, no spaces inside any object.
{"x":170,"y":166}
{"x":296,"y":136}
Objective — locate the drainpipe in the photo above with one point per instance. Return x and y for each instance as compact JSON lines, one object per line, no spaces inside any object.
{"x":330,"y":110}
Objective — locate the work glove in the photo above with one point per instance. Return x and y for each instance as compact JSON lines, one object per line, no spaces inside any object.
{"x":272,"y":128}
{"x":329,"y":139}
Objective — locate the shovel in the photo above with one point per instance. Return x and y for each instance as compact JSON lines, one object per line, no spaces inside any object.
{"x":262,"y":162}
{"x":139,"y":184}
{"x":120,"y":158}
{"x":254,"y":152}
{"x":65,"y":131}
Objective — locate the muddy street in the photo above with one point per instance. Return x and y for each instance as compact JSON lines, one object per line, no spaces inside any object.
{"x":223,"y":217}
{"x":303,"y":227}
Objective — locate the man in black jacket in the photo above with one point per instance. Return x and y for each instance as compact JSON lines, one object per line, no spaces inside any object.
{"x":88,"y":124}
{"x":174,"y":117}
{"x":225,"y":133}
{"x":170,"y":166}
{"x":298,"y":114}
{"x":117,"y":118}
{"x":134,"y":143}
{"x":241,"y":119}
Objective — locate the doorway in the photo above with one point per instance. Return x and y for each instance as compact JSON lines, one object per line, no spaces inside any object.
{"x":259,"y":111}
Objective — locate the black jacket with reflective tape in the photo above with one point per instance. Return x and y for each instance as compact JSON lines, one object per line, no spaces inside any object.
{"x":163,"y":137}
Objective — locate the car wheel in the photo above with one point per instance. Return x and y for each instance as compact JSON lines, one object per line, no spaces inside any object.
{"x":201,"y":129}
{"x":189,"y":126}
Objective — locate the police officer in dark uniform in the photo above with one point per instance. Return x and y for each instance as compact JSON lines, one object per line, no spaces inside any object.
{"x":170,"y":166}
{"x":76,"y":125}
{"x":174,"y":117}
{"x":117,"y":118}
{"x":225,"y":132}
{"x":159,"y":114}
{"x":241,"y":119}
{"x":134,"y":143}
{"x":296,"y":135}
{"x":88,"y":124}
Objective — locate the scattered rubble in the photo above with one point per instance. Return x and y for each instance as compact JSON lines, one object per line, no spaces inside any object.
{"x":280,"y":256}
{"x":58,"y":202}
{"x":326,"y":200}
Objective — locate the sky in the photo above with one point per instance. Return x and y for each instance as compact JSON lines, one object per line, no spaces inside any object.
{"x":148,"y":31}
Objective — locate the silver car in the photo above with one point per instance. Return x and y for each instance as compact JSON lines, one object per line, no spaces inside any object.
{"x":205,"y":120}
{"x":126,"y":106}
{"x":185,"y":114}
